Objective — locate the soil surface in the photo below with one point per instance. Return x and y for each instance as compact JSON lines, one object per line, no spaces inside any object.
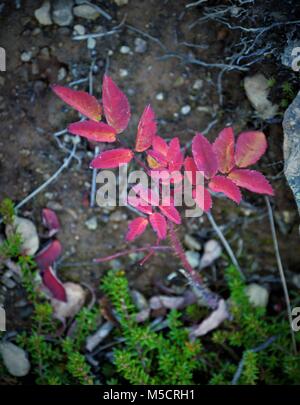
{"x":30,"y":114}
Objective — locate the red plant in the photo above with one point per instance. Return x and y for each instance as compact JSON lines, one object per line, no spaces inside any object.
{"x":223,"y":165}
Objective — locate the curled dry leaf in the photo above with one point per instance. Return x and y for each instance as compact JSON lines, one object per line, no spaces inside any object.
{"x":49,"y":254}
{"x":211,"y":322}
{"x":54,"y":285}
{"x":75,"y":300}
{"x":50,"y":221}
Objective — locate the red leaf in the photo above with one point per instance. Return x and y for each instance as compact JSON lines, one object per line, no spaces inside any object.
{"x":93,"y":131}
{"x":221,"y":184}
{"x":50,"y":221}
{"x":80,"y":100}
{"x":251,"y":180}
{"x":190,"y":169}
{"x":139,"y":204}
{"x":174,"y":155}
{"x":159,"y":225}
{"x":204,"y":156}
{"x":156,"y":160}
{"x":112,"y":158}
{"x":160,"y":145}
{"x":224,"y":150}
{"x":171,"y":212}
{"x":136,"y":228}
{"x":115,"y":104}
{"x":54,"y":285}
{"x":146,"y":130}
{"x":250,"y":147}
{"x":202,"y":198}
{"x":47,"y":256}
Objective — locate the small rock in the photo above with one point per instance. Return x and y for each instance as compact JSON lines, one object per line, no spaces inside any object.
{"x":288,"y":57}
{"x":159,"y":96}
{"x":62,"y":74}
{"x":193,"y":258}
{"x":139,"y":300}
{"x":258,"y":295}
{"x":191,"y":243}
{"x":8,"y":282}
{"x":42,"y":14}
{"x":28,"y":232}
{"x":296,"y":280}
{"x":15,"y":359}
{"x":26,"y":56}
{"x":79,"y":29}
{"x":2,"y":81}
{"x":123,"y":72}
{"x":75,"y":300}
{"x":62,"y":12}
{"x":87,"y":11}
{"x":91,"y":43}
{"x":291,"y":147}
{"x":124,"y":50}
{"x":185,"y":110}
{"x":118,"y":216}
{"x":92,"y":223}
{"x":93,"y":340}
{"x":140,"y":45}
{"x":198,"y":84}
{"x":257,"y":91}
{"x":212,"y":251}
{"x":121,"y":2}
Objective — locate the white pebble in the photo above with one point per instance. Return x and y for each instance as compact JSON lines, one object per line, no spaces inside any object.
{"x":91,"y":43}
{"x":26,"y":56}
{"x":79,"y":29}
{"x":123,"y":72}
{"x":124,"y":49}
{"x":160,"y":96}
{"x":185,"y":110}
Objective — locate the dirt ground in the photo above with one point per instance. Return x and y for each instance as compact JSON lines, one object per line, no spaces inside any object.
{"x":30,"y":114}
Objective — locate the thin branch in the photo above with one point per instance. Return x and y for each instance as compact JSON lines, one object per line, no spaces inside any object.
{"x":225,"y":243}
{"x":52,"y":178}
{"x":127,"y":252}
{"x":281,"y":272}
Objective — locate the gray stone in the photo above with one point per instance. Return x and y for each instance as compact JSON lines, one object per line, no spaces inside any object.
{"x":92,"y":223}
{"x":62,"y":12}
{"x":140,"y":45}
{"x":291,"y":147}
{"x":193,"y":258}
{"x":79,"y":29}
{"x":26,"y":56}
{"x":258,"y":295}
{"x":185,"y":110}
{"x":91,"y":43}
{"x":124,"y":50}
{"x":15,"y":359}
{"x":191,"y":243}
{"x":43,"y":15}
{"x":212,"y":251}
{"x":87,"y":11}
{"x":289,"y":56}
{"x":257,"y":91}
{"x":28,"y":232}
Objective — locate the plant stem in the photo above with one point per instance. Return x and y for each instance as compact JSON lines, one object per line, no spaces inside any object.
{"x":281,"y":272}
{"x":225,"y":244}
{"x":127,"y":252}
{"x":211,"y":299}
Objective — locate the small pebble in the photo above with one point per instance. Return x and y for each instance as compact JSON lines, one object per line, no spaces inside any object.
{"x":159,"y":96}
{"x":198,"y":84}
{"x":26,"y":56}
{"x":78,"y":29}
{"x":193,"y":258}
{"x":191,"y":243}
{"x":140,"y":45}
{"x":124,"y":49}
{"x":62,"y":73}
{"x":91,"y":43}
{"x":185,"y":110}
{"x":92,"y":223}
{"x":15,"y":359}
{"x":123,"y":72}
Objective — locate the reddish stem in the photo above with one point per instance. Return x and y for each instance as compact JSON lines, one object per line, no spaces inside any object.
{"x":127,"y":252}
{"x":208,"y":296}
